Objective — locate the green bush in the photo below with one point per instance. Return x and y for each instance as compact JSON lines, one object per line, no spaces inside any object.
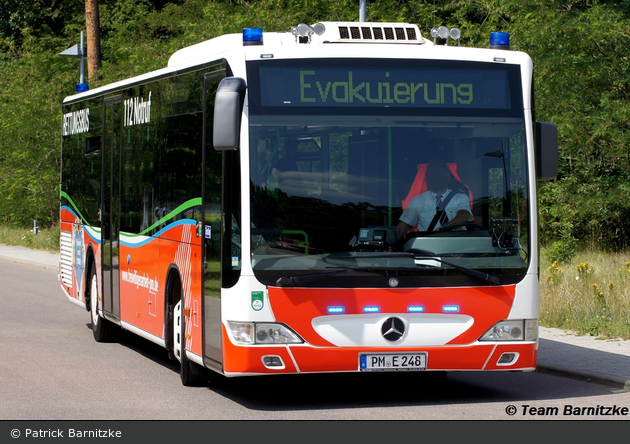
{"x":563,"y":250}
{"x":582,"y":85}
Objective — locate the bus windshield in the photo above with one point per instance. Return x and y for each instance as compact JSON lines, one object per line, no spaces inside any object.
{"x":339,"y":153}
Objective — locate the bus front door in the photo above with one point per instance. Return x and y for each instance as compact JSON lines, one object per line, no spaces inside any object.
{"x":212,"y":220}
{"x":112,"y":130}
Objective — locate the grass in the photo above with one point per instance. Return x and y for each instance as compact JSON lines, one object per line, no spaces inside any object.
{"x":45,"y":239}
{"x":588,"y":295}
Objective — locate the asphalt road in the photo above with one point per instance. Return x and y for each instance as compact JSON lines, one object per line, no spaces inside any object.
{"x":51,"y":369}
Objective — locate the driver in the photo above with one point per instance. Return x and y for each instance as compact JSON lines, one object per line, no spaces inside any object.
{"x":436,"y":208}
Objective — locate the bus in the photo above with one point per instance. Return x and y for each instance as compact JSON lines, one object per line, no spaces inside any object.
{"x":239,"y":206}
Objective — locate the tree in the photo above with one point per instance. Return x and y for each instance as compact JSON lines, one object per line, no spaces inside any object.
{"x":579,"y":48}
{"x":93,"y":27}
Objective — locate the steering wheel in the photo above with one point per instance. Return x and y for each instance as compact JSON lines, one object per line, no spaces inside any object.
{"x":470,"y":226}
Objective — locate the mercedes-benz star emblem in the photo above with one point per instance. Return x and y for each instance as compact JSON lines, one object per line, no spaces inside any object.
{"x":393,"y":329}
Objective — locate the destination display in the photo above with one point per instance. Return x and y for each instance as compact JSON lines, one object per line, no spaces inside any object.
{"x":395,"y":87}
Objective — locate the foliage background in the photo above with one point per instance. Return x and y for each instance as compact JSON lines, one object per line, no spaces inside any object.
{"x":580,"y":49}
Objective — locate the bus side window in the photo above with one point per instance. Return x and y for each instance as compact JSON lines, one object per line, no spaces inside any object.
{"x":92,"y":145}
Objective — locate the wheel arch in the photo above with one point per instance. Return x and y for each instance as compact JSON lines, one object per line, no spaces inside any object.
{"x":172,"y":295}
{"x":90,"y":261}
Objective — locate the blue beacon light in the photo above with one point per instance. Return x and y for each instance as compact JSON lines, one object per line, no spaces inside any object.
{"x":499,"y":40}
{"x":252,"y":36}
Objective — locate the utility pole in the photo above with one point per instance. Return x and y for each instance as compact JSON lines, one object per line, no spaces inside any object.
{"x":93,"y":27}
{"x":78,"y":51}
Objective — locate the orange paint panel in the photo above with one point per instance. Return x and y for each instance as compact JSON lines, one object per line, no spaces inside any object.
{"x":248,"y":359}
{"x":347,"y":359}
{"x":66,"y":215}
{"x":477,"y":357}
{"x":528,"y":356}
{"x":185,"y":254}
{"x":297,"y":307}
{"x":66,"y":227}
{"x":196,"y":283}
{"x":143,"y":273}
{"x":141,"y":290}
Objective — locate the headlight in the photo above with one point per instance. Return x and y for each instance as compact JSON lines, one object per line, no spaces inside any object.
{"x":242,"y":331}
{"x":253,"y":333}
{"x":513,"y":330}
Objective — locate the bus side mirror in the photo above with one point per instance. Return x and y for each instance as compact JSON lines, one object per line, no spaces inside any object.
{"x":228,"y":107}
{"x":546,"y":151}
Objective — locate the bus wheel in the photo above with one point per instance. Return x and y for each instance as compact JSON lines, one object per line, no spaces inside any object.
{"x":102,"y":329}
{"x":190,"y":372}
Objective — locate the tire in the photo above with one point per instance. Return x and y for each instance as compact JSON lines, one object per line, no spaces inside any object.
{"x":102,"y":329}
{"x":191,"y":373}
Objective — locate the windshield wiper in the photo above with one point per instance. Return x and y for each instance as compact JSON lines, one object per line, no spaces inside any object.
{"x":478,"y":274}
{"x":300,"y":279}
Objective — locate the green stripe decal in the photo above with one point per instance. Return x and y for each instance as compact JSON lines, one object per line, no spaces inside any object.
{"x":180,"y":209}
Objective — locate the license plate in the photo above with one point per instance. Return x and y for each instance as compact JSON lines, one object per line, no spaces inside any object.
{"x":391,"y":362}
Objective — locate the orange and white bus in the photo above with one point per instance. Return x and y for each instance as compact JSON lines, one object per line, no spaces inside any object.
{"x":239,"y":206}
